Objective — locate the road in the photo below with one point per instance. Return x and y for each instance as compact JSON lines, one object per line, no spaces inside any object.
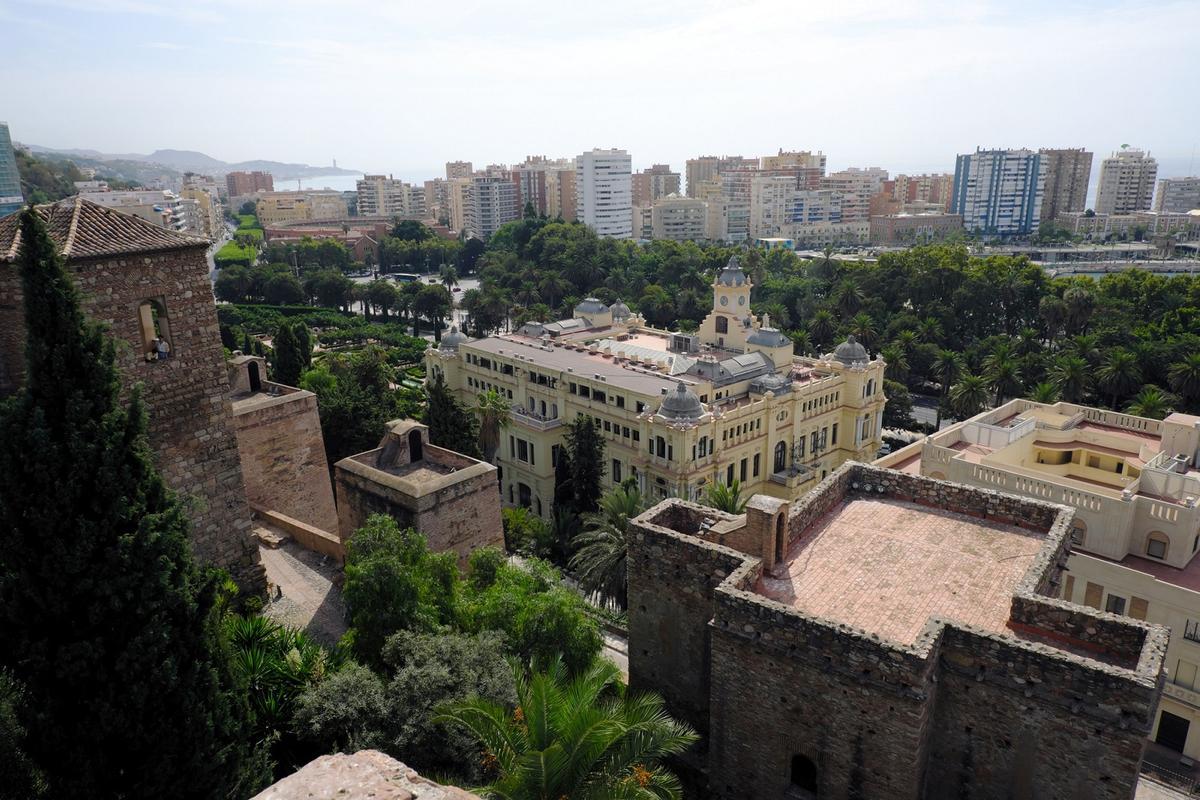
{"x":925,"y":409}
{"x":212,"y":251}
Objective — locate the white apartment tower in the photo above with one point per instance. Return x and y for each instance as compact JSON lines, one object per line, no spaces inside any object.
{"x":604,"y":192}
{"x":1126,"y":182}
{"x":999,"y":192}
{"x":1177,"y":195}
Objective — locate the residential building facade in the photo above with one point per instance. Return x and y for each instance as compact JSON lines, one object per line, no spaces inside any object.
{"x":491,"y":202}
{"x":1133,"y":484}
{"x":1140,"y":224}
{"x":678,"y":218}
{"x":677,"y":411}
{"x":1068,"y":173}
{"x":896,"y":229}
{"x":1177,"y":195}
{"x":459,"y":169}
{"x":385,"y":196}
{"x":856,"y":186}
{"x":603,"y":192}
{"x":651,"y":184}
{"x":11,"y":197}
{"x":1127,"y":180}
{"x":999,"y":192}
{"x":305,"y":206}
{"x":240,"y":184}
{"x":706,"y":168}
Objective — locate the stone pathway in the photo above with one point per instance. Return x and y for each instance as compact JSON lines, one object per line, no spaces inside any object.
{"x":303,"y":592}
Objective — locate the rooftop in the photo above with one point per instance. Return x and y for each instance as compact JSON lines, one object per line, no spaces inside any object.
{"x":886,"y":566}
{"x":83,"y":229}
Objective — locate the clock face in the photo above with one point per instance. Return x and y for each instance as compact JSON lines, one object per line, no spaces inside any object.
{"x":742,"y":300}
{"x":724,"y":301}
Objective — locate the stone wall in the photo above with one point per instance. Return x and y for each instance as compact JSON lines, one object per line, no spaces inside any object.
{"x":458,"y":512}
{"x":367,"y":773}
{"x":186,"y":396}
{"x":283,"y":455}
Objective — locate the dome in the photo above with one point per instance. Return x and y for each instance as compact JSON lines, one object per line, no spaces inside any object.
{"x":851,"y":352}
{"x":768,"y":337}
{"x":452,"y":340}
{"x":590,"y":306}
{"x":620,"y":311}
{"x":731,"y":274}
{"x":681,"y":404}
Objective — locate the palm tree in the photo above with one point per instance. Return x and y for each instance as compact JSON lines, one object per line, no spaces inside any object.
{"x":801,"y":342}
{"x":947,"y":366}
{"x":1028,"y":342}
{"x":825,"y":267}
{"x":929,"y":330}
{"x":448,"y":277}
{"x":1003,"y":376}
{"x":969,"y":395}
{"x":823,"y":327}
{"x":1072,"y":375}
{"x":1185,"y":377}
{"x":1080,"y":304}
{"x":494,"y":413}
{"x":1119,"y":375}
{"x":1087,"y":347}
{"x":601,"y":548}
{"x":778,"y":314}
{"x":553,"y":287}
{"x":847,"y":298}
{"x":897,"y":363}
{"x":1044,"y":392}
{"x":906,"y":341}
{"x":578,"y":737}
{"x":726,"y":498}
{"x":1151,"y":402}
{"x":862,"y":325}
{"x":1053,"y":312}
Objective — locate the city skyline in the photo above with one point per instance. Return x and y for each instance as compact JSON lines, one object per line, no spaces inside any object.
{"x":214,"y":77}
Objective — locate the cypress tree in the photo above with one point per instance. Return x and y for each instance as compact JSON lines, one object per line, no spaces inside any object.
{"x":105,"y":619}
{"x":288,"y":362}
{"x":586,"y":458}
{"x":305,"y":343}
{"x":450,"y":424}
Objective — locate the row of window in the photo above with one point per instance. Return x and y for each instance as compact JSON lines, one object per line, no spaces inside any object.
{"x":522,"y":450}
{"x":600,"y":395}
{"x":483,"y":386}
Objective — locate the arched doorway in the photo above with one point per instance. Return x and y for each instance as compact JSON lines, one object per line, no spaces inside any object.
{"x":414,"y":446}
{"x":780,"y":457}
{"x":804,"y":775}
{"x":255,"y":377}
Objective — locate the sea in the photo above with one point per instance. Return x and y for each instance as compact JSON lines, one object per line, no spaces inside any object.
{"x":341,"y":183}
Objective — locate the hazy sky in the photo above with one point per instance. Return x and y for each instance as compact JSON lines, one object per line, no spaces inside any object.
{"x":405,"y":86}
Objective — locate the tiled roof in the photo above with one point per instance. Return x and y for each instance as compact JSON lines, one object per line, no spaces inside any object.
{"x":83,"y":229}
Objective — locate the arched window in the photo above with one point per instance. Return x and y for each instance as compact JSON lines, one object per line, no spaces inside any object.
{"x":780,"y":457}
{"x":524,"y":495}
{"x":543,"y":407}
{"x":804,"y":774}
{"x":1157,"y":544}
{"x":255,"y":378}
{"x":414,"y":446}
{"x":156,"y":330}
{"x":722,"y":325}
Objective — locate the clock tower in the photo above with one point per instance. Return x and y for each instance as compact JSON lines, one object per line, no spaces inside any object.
{"x":730,"y":322}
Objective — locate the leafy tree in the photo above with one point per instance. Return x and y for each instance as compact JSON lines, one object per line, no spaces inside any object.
{"x":305,"y":342}
{"x":288,"y":363}
{"x":248,"y":208}
{"x":585,"y":461}
{"x":525,"y":532}
{"x":382,"y":294}
{"x":579,"y":737}
{"x":969,"y":395}
{"x":898,"y":411}
{"x":394,"y":583}
{"x":106,"y":620}
{"x":355,"y":401}
{"x":603,"y":545}
{"x":1151,"y":402}
{"x":433,"y":303}
{"x":20,"y":779}
{"x":1185,"y":377}
{"x":450,"y":425}
{"x":494,"y":414}
{"x":411,"y":230}
{"x":726,"y":497}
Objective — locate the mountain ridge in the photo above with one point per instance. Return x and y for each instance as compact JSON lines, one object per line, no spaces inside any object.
{"x":195,"y":161}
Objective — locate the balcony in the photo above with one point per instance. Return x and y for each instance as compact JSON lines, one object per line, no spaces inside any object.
{"x":794,"y":476}
{"x":534,"y":420}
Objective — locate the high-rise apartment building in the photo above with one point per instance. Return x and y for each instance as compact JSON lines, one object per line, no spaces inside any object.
{"x":603,"y":192}
{"x":1126,"y":182}
{"x":1068,"y":172}
{"x":240,"y":184}
{"x":385,"y":196}
{"x":491,"y":201}
{"x":649,"y":185}
{"x":794,"y":158}
{"x":999,"y":192}
{"x":458,"y":169}
{"x":856,"y":186}
{"x":560,"y":191}
{"x":10,"y":178}
{"x":1177,"y":195}
{"x":706,"y":168}
{"x":679,"y":218}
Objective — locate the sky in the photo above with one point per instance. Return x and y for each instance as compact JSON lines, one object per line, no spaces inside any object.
{"x":403,"y":87}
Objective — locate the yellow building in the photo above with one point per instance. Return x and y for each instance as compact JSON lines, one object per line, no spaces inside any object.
{"x":277,"y":207}
{"x":1134,"y":484}
{"x":677,"y":411}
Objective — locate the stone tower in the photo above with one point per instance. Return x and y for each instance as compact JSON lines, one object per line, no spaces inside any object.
{"x":730,"y":322}
{"x":146,"y":283}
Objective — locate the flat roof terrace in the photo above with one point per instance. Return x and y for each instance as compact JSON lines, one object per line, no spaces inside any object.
{"x":886,"y":566}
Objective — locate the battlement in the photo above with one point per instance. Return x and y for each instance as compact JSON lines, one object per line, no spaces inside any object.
{"x":913,"y":616}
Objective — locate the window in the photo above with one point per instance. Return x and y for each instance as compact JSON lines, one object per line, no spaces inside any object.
{"x":1115,"y":604}
{"x":1156,"y":545}
{"x":524,"y":496}
{"x":554,"y":448}
{"x":637,"y":436}
{"x":742,"y":470}
{"x":780,"y":457}
{"x":757,"y":459}
{"x":1185,"y":674}
{"x":640,"y":406}
{"x":156,"y":330}
{"x":616,"y":471}
{"x":522,"y":449}
{"x":624,"y":432}
{"x":620,"y":401}
{"x":722,"y":325}
{"x":804,"y":774}
{"x":1078,"y":533}
{"x":729,"y":476}
{"x":1191,"y":630}
{"x":599,"y":396}
{"x":660,"y":446}
{"x":607,"y":427}
{"x":833,"y":432}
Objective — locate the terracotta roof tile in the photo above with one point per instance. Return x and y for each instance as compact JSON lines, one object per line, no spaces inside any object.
{"x":83,"y":229}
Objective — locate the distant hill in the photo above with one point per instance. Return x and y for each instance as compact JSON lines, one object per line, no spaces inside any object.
{"x":192,"y":161}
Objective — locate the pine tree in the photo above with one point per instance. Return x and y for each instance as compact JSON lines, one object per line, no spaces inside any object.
{"x":450,"y":424}
{"x":105,"y":619}
{"x":289,"y":360}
